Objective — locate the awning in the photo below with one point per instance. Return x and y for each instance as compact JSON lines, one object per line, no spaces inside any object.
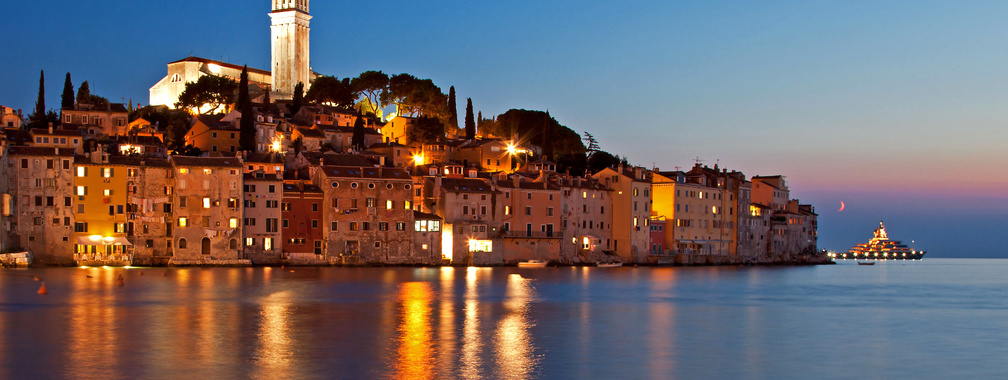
{"x":97,"y":240}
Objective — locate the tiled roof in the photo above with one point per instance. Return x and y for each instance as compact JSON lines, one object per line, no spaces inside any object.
{"x":222,"y":64}
{"x":206,"y":161}
{"x":417,"y":215}
{"x":465,"y":185}
{"x":364,"y":172}
{"x":39,"y":151}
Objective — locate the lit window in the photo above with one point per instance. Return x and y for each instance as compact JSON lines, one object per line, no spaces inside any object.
{"x":268,"y":243}
{"x":584,"y":194}
{"x":207,"y":171}
{"x":81,"y":190}
{"x":183,"y":171}
{"x":249,"y":241}
{"x":108,"y":192}
{"x":388,"y":204}
{"x":81,"y":171}
{"x":407,"y":205}
{"x":106,"y":172}
{"x":233,"y":223}
{"x":206,"y":202}
{"x":183,"y":222}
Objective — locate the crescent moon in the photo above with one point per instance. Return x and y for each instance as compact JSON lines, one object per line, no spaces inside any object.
{"x":842,"y":205}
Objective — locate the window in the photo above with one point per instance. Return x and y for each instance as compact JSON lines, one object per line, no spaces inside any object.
{"x":182,"y":243}
{"x":407,"y":205}
{"x":272,"y":188}
{"x":382,"y":226}
{"x":529,"y":195}
{"x":400,"y":226}
{"x":107,"y":172}
{"x":82,"y":190}
{"x":353,"y":226}
{"x":334,"y":226}
{"x":371,"y":202}
{"x":271,"y":225}
{"x":286,"y":223}
{"x":268,"y":244}
{"x":507,"y":210}
{"x":182,"y":202}
{"x":233,"y":223}
{"x":365,"y":226}
{"x":528,"y":210}
{"x":314,"y":207}
{"x":388,"y":204}
{"x":249,"y":242}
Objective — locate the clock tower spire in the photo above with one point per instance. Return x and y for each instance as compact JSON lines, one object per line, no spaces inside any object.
{"x":289,"y":38}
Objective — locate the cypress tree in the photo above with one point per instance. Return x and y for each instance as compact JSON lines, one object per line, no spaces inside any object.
{"x":452,"y":109}
{"x":298,"y":98}
{"x":357,"y":141}
{"x":246,"y":132}
{"x":267,"y":104}
{"x":470,"y":124}
{"x":40,"y":111}
{"x":68,"y":94}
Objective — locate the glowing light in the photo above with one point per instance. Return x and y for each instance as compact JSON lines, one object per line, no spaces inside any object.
{"x":275,"y":146}
{"x":95,"y":237}
{"x":511,"y":148}
{"x":418,"y":159}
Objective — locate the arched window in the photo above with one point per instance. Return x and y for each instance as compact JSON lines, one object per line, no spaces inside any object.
{"x":182,"y":243}
{"x":233,"y":244}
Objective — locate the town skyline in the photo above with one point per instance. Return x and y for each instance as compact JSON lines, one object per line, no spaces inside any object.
{"x":792,"y":108}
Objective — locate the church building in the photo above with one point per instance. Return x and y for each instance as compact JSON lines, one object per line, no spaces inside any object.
{"x":290,"y":63}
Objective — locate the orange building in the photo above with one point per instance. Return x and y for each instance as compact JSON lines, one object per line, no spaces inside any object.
{"x":212,"y":135}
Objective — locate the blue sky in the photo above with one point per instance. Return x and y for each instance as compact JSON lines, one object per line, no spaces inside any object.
{"x":896,"y":107}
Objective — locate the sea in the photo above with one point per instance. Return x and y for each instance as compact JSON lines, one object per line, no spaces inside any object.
{"x":935,"y":318}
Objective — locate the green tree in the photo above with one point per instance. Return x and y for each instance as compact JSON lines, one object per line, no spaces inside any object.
{"x":371,"y":84}
{"x":84,"y":93}
{"x":416,"y":97}
{"x":68,"y":94}
{"x":425,"y":130}
{"x":247,"y":129}
{"x":173,"y":123}
{"x":601,"y":160}
{"x":535,"y":126}
{"x":209,"y":92}
{"x":470,"y":123}
{"x":358,"y":135}
{"x":267,"y":104}
{"x":452,"y":109}
{"x":331,"y":90}
{"x":296,"y":103}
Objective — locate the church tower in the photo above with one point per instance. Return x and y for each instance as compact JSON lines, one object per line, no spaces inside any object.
{"x":289,"y":32}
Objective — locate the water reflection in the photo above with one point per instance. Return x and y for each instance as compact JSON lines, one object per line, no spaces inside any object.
{"x":92,"y":349}
{"x":414,"y":355}
{"x":274,"y":352}
{"x":472,"y":344}
{"x":514,"y":346}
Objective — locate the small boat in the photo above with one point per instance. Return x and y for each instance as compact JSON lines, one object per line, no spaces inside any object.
{"x":532,"y":264}
{"x":865,"y":263}
{"x":608,"y":265}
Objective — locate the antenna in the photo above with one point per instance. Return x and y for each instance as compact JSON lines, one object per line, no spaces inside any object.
{"x":698,"y":160}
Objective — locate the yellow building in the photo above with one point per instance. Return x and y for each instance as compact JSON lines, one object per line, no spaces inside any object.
{"x":631,"y":200}
{"x":213,"y":135}
{"x":101,"y":210}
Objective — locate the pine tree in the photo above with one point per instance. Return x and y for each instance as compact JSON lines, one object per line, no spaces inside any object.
{"x":357,"y":141}
{"x":40,"y":110}
{"x":470,"y":124}
{"x":247,"y":130}
{"x":68,"y":94}
{"x":452,"y":109}
{"x":298,"y":98}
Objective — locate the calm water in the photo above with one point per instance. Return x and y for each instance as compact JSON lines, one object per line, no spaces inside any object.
{"x":937,"y":318}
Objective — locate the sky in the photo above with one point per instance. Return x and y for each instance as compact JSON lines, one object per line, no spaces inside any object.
{"x":897,"y":108}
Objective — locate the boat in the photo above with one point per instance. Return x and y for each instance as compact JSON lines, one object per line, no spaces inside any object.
{"x":16,"y":259}
{"x":880,"y":247}
{"x":608,"y":265}
{"x":532,"y":264}
{"x":865,"y":263}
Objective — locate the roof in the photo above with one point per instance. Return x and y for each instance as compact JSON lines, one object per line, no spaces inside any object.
{"x":222,"y":64}
{"x":139,"y":139}
{"x":39,"y":151}
{"x":417,"y":215}
{"x":311,"y":132}
{"x":348,"y":130}
{"x":214,"y":122}
{"x":261,"y":177}
{"x":337,"y":159}
{"x":465,"y":185}
{"x":265,"y":158}
{"x":529,"y":185}
{"x":301,"y":188}
{"x":139,"y":161}
{"x":206,"y":161}
{"x":57,"y":132}
{"x":391,"y":144}
{"x":365,"y":172}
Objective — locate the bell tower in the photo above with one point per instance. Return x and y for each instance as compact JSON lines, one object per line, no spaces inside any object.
{"x":289,"y":38}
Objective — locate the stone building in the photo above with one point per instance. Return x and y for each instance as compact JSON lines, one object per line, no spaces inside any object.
{"x":471,"y":209}
{"x":111,"y":119}
{"x":263,"y":193}
{"x":40,"y":203}
{"x":531,"y":218}
{"x":289,"y":34}
{"x":301,"y":223}
{"x":149,"y":187}
{"x":208,"y":211}
{"x":368,"y":211}
{"x":631,"y":210}
{"x":586,"y":219}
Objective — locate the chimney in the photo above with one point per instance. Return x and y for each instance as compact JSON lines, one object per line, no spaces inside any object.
{"x":514,"y":180}
{"x":50,"y":127}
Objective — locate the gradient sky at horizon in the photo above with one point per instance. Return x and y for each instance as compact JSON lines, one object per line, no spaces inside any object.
{"x":895,"y":107}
